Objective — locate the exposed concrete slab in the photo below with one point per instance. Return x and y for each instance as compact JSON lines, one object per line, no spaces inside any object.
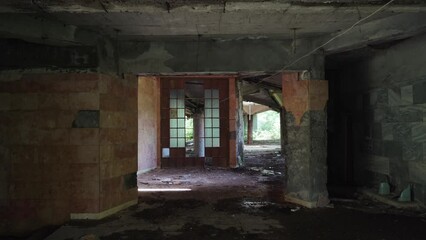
{"x":386,"y":29}
{"x":211,"y":18}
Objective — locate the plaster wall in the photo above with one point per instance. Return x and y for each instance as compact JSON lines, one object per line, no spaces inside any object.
{"x":148,"y":123}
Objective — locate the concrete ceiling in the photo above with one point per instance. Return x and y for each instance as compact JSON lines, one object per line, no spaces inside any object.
{"x":174,"y":20}
{"x":212,"y":18}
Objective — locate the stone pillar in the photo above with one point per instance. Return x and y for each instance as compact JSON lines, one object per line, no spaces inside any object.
{"x":199,"y":134}
{"x":305,"y":143}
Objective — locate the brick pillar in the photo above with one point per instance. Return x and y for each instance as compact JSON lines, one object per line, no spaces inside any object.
{"x":305,"y":137}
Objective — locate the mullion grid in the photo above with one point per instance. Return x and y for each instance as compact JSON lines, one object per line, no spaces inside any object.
{"x":211,"y":118}
{"x":177,"y":118}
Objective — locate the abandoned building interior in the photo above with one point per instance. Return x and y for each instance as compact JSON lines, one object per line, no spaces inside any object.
{"x":131,"y":119}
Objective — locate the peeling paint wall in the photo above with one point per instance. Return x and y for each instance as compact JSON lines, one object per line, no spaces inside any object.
{"x":216,"y":56}
{"x":384,"y":97}
{"x":59,"y":134}
{"x":305,"y":139}
{"x":49,"y":161}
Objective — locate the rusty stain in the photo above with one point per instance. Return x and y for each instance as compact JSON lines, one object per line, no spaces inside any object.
{"x":300,"y":96}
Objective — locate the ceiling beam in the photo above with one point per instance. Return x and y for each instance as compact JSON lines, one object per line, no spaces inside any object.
{"x":270,"y":103}
{"x":376,"y":32}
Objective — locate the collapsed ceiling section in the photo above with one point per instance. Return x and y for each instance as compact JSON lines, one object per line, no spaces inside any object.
{"x":262,"y":88}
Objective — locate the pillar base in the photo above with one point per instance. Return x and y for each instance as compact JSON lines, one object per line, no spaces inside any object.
{"x":100,"y":215}
{"x":300,"y":202}
{"x":322,"y":201}
{"x":140,"y":172}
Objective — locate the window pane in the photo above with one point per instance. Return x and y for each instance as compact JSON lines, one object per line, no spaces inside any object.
{"x":173,"y":123}
{"x":209,"y":142}
{"x":173,"y":94}
{"x":215,"y":93}
{"x":181,"y":113}
{"x":215,"y":122}
{"x":181,"y":94}
{"x":215,"y":113}
{"x":207,"y":123}
{"x":173,"y":142}
{"x":216,"y":142}
{"x":173,"y":132}
{"x":181,"y":103}
{"x":216,"y":132}
{"x":173,"y":113}
{"x":208,"y":132}
{"x":207,"y":113}
{"x":181,"y":142}
{"x":215,"y":103}
{"x":207,"y":103}
{"x":181,"y":133}
{"x":207,"y":93}
{"x":181,"y":123}
{"x":172,"y":103}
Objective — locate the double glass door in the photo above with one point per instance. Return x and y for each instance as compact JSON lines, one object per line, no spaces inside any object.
{"x":194,"y":122}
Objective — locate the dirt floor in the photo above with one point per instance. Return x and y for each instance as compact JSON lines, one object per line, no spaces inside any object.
{"x":244,"y":203}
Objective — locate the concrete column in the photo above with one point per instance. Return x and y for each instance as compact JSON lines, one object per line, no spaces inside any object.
{"x":305,"y":143}
{"x":249,"y":129}
{"x":240,"y":125}
{"x":233,"y":122}
{"x":199,"y":146}
{"x":283,"y":133}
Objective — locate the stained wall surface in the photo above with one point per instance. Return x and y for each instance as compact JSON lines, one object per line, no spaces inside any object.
{"x":384,"y":96}
{"x":60,"y":131}
{"x":148,"y":123}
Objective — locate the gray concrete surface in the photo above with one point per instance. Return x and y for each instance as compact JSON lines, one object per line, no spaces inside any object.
{"x":384,"y":97}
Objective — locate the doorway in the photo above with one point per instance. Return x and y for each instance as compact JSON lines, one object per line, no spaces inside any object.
{"x":194,"y":122}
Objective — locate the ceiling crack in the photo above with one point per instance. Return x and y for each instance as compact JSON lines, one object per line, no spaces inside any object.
{"x":103,"y":6}
{"x":37,"y":4}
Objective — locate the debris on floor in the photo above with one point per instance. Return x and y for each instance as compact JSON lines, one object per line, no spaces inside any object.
{"x":295,"y":209}
{"x":231,"y":204}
